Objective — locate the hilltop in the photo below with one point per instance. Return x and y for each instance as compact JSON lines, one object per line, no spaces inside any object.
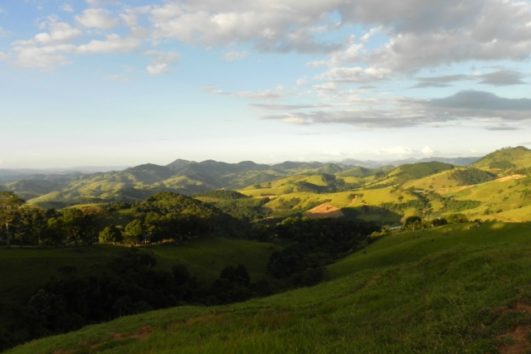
{"x":507,"y":161}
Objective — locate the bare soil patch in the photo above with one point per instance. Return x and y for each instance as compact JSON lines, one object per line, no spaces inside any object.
{"x":518,"y":339}
{"x":325,"y":210}
{"x":510,"y":178}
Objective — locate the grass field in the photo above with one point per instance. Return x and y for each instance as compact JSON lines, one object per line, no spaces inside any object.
{"x":454,"y":289}
{"x":23,"y":271}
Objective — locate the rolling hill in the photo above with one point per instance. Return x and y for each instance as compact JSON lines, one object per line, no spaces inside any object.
{"x":507,"y":161}
{"x":429,"y":188}
{"x":412,"y":292}
{"x":139,"y":182}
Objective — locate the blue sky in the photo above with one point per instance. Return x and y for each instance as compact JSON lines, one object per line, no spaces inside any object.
{"x":109,"y":82}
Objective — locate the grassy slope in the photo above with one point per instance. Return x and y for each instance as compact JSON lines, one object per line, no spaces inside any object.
{"x":507,"y":200}
{"x":22,"y":271}
{"x":506,"y":161}
{"x":454,"y":289}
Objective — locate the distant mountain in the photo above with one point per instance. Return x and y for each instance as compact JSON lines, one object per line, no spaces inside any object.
{"x":139,"y":182}
{"x":191,"y":177}
{"x":457,"y":161}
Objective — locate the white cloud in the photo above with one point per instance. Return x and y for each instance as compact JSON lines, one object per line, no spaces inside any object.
{"x":235,"y":55}
{"x":355,"y":74}
{"x":46,"y":49}
{"x":97,"y":18}
{"x":271,"y":94}
{"x":161,"y":63}
{"x":270,"y":26}
{"x":102,"y":2}
{"x":57,"y":31}
{"x":113,"y":43}
{"x":28,"y":54}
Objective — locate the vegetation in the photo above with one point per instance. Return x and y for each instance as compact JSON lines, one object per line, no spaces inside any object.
{"x":120,"y":243}
{"x":414,"y":292}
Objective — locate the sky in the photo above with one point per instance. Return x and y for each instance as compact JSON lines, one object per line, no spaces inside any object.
{"x":117,"y":83}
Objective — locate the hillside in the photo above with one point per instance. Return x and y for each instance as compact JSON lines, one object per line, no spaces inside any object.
{"x":507,"y":161}
{"x":24,"y":271}
{"x":141,"y":181}
{"x":495,"y":187}
{"x":413,"y":292}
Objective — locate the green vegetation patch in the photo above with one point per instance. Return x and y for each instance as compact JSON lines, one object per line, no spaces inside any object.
{"x":453,"y":289}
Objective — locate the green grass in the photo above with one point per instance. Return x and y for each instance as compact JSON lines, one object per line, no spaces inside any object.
{"x":206,"y":258}
{"x":452,"y":289}
{"x":506,"y":161}
{"x":23,"y":271}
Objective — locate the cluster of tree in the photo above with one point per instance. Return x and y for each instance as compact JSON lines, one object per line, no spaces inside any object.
{"x":237,"y":205}
{"x":472,"y":176}
{"x":163,"y":216}
{"x":126,"y":285}
{"x":315,"y":243}
{"x":415,"y":222}
{"x":24,"y":225}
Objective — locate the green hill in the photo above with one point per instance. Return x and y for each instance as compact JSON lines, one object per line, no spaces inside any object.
{"x":141,"y":181}
{"x":506,"y":161}
{"x":453,"y":289}
{"x":24,"y":271}
{"x":408,"y":172}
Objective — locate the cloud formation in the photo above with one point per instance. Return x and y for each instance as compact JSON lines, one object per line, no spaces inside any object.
{"x":97,"y":18}
{"x":354,"y":48}
{"x":486,"y":109}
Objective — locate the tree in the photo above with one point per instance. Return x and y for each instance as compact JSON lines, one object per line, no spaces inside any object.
{"x":237,"y":275}
{"x":413,"y":222}
{"x":79,"y":226}
{"x":9,"y":205}
{"x":133,"y":232}
{"x":110,"y":234}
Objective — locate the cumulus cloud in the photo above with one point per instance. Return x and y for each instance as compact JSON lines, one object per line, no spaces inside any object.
{"x":113,"y":43}
{"x":270,"y":26}
{"x":355,"y":74}
{"x":161,"y":63}
{"x":48,"y":48}
{"x":398,"y":39}
{"x":29,"y":54}
{"x":97,"y":18}
{"x":57,"y":31}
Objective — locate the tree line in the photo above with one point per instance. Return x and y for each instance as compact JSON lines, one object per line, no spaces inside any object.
{"x":165,"y":216}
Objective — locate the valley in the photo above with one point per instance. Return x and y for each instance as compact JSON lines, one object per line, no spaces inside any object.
{"x":309,"y":257}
